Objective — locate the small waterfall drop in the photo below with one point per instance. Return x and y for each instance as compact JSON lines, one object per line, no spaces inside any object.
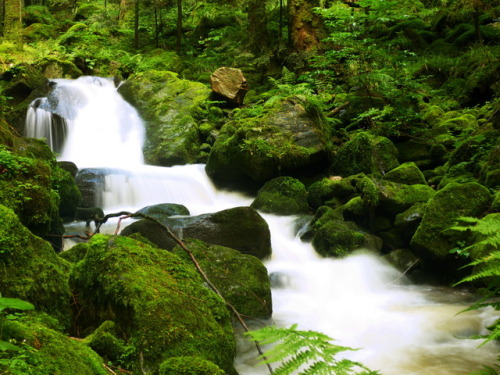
{"x":401,"y":329}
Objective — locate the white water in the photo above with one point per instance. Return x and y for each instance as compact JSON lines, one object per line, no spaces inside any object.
{"x":360,"y":301}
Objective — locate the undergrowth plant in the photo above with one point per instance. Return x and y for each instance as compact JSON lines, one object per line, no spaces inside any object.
{"x":486,"y":266}
{"x":305,"y":353}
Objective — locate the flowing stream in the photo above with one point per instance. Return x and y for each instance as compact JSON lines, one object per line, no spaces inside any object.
{"x":362,"y":302}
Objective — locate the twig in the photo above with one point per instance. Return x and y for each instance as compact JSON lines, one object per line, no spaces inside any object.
{"x":404,"y":273}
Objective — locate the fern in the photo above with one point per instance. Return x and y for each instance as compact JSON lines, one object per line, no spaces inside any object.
{"x":486,"y":267}
{"x":305,"y":353}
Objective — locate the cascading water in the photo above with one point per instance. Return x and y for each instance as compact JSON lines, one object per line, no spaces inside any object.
{"x":362,"y":302}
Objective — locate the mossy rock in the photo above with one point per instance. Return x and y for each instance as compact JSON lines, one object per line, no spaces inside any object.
{"x":334,"y":189}
{"x":26,"y":185}
{"x":284,"y":137}
{"x":239,"y":228}
{"x":365,"y":153}
{"x":406,"y":173}
{"x":45,"y":351}
{"x":189,"y":366}
{"x":37,"y":32}
{"x":163,"y":211}
{"x":171,"y":108}
{"x":463,"y":124}
{"x":333,"y":236}
{"x":56,"y":68}
{"x":282,"y":196}
{"x":396,"y":198}
{"x":157,"y":301}
{"x":241,"y":278}
{"x":404,"y":260}
{"x":30,"y":269}
{"x":340,"y":238}
{"x":69,"y":194}
{"x":432,"y":241}
{"x":105,"y":342}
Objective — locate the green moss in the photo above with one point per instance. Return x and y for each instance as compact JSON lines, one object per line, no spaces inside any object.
{"x":282,"y":196}
{"x":338,"y":239}
{"x":365,"y":153}
{"x":241,"y":278}
{"x":396,"y":198}
{"x":189,"y":366}
{"x":324,"y":191}
{"x":104,"y":341}
{"x":47,"y":352}
{"x":407,"y":173}
{"x":172,"y":109}
{"x":259,"y":144}
{"x":31,"y":270}
{"x":432,"y":240}
{"x":158,"y":303}
{"x":70,"y":196}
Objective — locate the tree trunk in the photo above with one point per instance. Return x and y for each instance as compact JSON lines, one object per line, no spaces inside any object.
{"x":305,"y":27}
{"x":12,"y":30}
{"x":179,"y":25}
{"x":257,"y":26}
{"x":136,"y":25}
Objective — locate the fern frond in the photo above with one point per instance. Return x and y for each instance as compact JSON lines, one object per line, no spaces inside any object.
{"x":308,"y":352}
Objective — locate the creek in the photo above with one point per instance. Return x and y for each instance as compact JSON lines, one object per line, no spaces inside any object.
{"x":361,"y":301}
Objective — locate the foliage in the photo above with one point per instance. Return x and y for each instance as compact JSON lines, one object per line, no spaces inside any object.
{"x":309,"y":352}
{"x":11,"y":303}
{"x":487,"y":266}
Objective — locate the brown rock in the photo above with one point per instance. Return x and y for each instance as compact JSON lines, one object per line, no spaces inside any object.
{"x":230,"y":84}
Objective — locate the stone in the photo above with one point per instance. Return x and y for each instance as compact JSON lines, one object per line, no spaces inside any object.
{"x":282,"y":196}
{"x":230,"y":84}
{"x":239,"y":228}
{"x":159,"y":304}
{"x":241,"y":278}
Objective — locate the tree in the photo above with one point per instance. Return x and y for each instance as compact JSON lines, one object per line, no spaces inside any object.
{"x":257,"y":25}
{"x":305,"y":28}
{"x":179,"y":25}
{"x":13,"y":21}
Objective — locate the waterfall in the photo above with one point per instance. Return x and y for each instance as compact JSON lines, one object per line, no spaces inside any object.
{"x":362,"y":302}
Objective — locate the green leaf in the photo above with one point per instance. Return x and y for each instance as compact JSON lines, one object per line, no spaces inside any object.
{"x":14,"y":303}
{"x":4,"y":345}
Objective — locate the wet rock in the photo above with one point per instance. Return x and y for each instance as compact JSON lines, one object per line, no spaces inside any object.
{"x":287,"y":138}
{"x":158,"y":302}
{"x":282,"y":196}
{"x":239,"y":228}
{"x":241,"y":278}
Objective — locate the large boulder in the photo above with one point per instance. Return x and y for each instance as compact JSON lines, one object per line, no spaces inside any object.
{"x":282,"y":196}
{"x":45,"y":351}
{"x":365,"y":153}
{"x":241,"y":278}
{"x":286,"y":138}
{"x":432,"y":240}
{"x":230,"y":84}
{"x":170,"y":106}
{"x":30,"y":269}
{"x":240,"y":228}
{"x":159,"y":303}
{"x":331,"y":191}
{"x":406,"y":173}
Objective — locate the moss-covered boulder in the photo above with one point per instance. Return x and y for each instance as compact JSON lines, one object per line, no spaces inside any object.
{"x":241,"y":278}
{"x":56,"y":68}
{"x":330,"y":191}
{"x":396,"y":198}
{"x":432,"y":241}
{"x":284,"y":137}
{"x":240,"y":228}
{"x":69,"y":194}
{"x":104,"y":341}
{"x":333,"y":236}
{"x":22,"y":84}
{"x":30,"y":269}
{"x":27,"y":185}
{"x":282,"y":196}
{"x":189,"y":366}
{"x":158,"y":303}
{"x":44,"y":351}
{"x":170,"y":106}
{"x":365,"y":153}
{"x":406,"y":173}
{"x":163,"y":211}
